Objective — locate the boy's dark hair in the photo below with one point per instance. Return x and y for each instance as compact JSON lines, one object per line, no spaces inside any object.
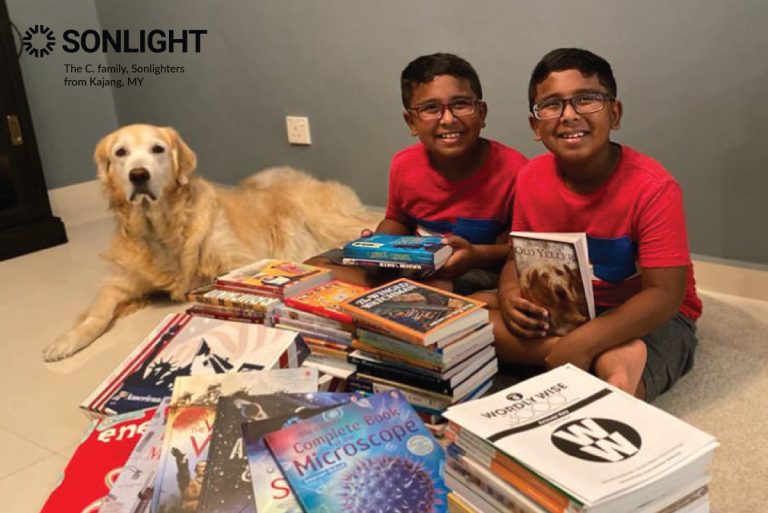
{"x":564,"y":59}
{"x":424,"y":69}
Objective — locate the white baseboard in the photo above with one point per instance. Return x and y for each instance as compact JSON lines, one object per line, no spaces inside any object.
{"x":731,"y":277}
{"x":79,"y":204}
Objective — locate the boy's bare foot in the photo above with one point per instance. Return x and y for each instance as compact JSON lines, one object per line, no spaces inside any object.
{"x":622,"y":367}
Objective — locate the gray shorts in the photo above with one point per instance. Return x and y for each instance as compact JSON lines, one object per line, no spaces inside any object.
{"x":471,"y":281}
{"x":670,"y":355}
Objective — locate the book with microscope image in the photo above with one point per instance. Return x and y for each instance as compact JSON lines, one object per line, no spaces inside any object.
{"x":132,"y":491}
{"x":227,"y":486}
{"x":186,"y":442}
{"x":373,"y":450}
{"x":183,"y":345}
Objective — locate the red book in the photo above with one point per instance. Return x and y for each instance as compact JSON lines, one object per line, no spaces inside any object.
{"x":97,"y":462}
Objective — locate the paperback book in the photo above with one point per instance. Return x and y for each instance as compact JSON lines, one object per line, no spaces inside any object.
{"x":133,"y":489}
{"x":553,"y":272}
{"x":184,"y":345}
{"x":324,"y":300}
{"x":227,"y":485}
{"x":415,"y":312}
{"x":279,"y":278}
{"x":398,"y":252}
{"x":270,"y":490}
{"x":97,"y":462}
{"x":599,"y":446}
{"x":344,"y":458}
{"x":186,"y":442}
{"x":211,"y":295}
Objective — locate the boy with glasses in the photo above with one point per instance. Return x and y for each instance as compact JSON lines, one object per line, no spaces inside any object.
{"x":631,"y":208}
{"x":452,"y":183}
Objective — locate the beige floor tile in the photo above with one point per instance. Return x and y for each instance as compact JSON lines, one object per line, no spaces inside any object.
{"x":17,"y":453}
{"x":26,"y":490}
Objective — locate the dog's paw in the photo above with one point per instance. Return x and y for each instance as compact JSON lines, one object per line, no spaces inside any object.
{"x":63,"y":347}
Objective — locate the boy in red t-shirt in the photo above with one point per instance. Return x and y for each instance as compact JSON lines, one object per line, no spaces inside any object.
{"x":452,"y":183}
{"x":632,"y":212}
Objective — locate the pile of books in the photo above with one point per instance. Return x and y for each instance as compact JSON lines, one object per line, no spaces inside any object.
{"x":259,"y":441}
{"x":434,"y":346}
{"x":565,"y":441}
{"x":327,"y":330}
{"x":406,"y":252}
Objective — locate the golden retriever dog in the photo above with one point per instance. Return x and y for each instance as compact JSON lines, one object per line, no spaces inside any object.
{"x":556,"y":287}
{"x":176,"y":230}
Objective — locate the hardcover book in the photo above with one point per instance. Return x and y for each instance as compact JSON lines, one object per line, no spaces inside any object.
{"x":270,"y":490}
{"x":133,"y":489}
{"x":373,"y":454}
{"x":553,"y":271}
{"x":185,"y":345}
{"x":397,"y":251}
{"x":97,"y":462}
{"x":568,"y":430}
{"x":279,"y":278}
{"x":184,"y":457}
{"x":415,"y":312}
{"x":324,"y":300}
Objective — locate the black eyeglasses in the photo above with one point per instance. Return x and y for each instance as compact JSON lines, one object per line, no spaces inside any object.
{"x":584,"y":103}
{"x":433,"y":110}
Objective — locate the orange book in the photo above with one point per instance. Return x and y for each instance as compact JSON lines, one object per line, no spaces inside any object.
{"x":324,"y":300}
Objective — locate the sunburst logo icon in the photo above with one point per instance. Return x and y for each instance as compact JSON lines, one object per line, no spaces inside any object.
{"x":38,"y":40}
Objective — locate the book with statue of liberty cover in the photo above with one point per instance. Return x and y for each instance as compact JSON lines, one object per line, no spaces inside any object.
{"x":372,"y":454}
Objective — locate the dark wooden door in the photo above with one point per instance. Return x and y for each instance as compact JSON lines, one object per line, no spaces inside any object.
{"x":26,"y":221}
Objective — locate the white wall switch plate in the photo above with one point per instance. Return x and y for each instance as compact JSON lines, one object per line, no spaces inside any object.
{"x":298,"y":129}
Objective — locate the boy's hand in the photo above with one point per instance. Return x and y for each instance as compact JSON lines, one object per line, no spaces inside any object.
{"x":523,"y":318}
{"x":461,"y":260}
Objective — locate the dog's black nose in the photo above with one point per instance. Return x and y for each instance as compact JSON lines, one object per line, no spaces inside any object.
{"x":138,"y":176}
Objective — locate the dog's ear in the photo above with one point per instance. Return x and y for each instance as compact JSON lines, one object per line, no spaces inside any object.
{"x":184,"y":159}
{"x":101,"y":156}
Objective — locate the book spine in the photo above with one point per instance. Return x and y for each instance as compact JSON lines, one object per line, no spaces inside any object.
{"x":400,"y":358}
{"x":319,"y":310}
{"x":391,"y":254}
{"x":357,"y":383}
{"x":389,"y":264}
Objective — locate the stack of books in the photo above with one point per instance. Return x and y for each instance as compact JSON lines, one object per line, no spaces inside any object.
{"x":276,"y":278}
{"x":220,"y":303}
{"x":434,"y":346}
{"x":405,"y":252}
{"x":565,"y":441}
{"x":327,"y":330}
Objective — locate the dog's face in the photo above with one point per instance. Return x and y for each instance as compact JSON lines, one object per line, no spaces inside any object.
{"x":143,"y":162}
{"x":556,"y":287}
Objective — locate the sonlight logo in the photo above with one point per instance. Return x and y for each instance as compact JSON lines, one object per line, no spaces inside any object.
{"x":39,"y":41}
{"x":601,"y":440}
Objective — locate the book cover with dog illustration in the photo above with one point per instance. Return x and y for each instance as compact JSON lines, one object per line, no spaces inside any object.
{"x":397,"y":251}
{"x":186,"y":442}
{"x":278,"y":278}
{"x":415,"y":312}
{"x":184,"y":345}
{"x":97,"y":462}
{"x":372,"y":454}
{"x":553,"y":271}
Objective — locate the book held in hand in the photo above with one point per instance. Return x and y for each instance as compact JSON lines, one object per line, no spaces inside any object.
{"x":414,"y":312}
{"x":397,"y":252}
{"x":278,"y":278}
{"x":373,"y":451}
{"x":553,"y":272}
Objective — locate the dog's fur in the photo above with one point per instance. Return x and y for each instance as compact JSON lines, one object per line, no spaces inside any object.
{"x":176,"y":230}
{"x":556,"y":287}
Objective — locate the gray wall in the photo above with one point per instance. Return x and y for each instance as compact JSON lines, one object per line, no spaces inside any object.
{"x":690,"y":74}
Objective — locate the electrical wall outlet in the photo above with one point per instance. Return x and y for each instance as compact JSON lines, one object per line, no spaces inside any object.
{"x":298,"y":129}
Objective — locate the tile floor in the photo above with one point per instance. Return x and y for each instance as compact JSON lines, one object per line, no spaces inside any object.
{"x":41,"y":295}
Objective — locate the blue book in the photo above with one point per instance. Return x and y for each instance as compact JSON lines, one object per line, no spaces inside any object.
{"x":397,"y":251}
{"x":372,"y":454}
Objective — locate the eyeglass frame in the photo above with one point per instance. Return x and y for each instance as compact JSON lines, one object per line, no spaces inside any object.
{"x":474,"y":101}
{"x":605,"y":98}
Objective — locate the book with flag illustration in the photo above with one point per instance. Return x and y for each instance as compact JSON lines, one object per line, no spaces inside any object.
{"x":184,"y":456}
{"x":270,"y":490}
{"x":415,"y":312}
{"x":279,"y":278}
{"x":183,"y":345}
{"x":397,"y":251}
{"x":343,"y":458}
